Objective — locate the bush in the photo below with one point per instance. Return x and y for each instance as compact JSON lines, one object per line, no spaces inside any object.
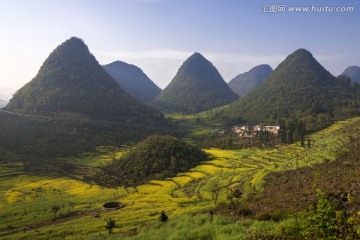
{"x":321,"y":221}
{"x":163,"y":217}
{"x":110,"y":224}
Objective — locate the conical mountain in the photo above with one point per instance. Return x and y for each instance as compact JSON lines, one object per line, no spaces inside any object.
{"x":71,"y":83}
{"x":197,"y":86}
{"x":133,"y":80}
{"x":244,"y":83}
{"x":353,"y":72}
{"x":299,"y":89}
{"x":72,"y":106}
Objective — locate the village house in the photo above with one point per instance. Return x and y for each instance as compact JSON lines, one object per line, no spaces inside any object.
{"x":273,"y":129}
{"x":254,"y":131}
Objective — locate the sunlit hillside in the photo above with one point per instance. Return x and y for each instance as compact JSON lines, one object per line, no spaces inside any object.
{"x":36,"y":207}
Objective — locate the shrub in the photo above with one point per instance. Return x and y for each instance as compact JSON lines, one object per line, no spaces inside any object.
{"x":110,"y":224}
{"x":163,"y":217}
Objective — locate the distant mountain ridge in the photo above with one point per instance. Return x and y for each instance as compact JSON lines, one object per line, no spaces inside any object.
{"x":246,"y":82}
{"x":299,"y":89}
{"x":2,"y":103}
{"x":197,"y":86}
{"x":353,"y":72}
{"x":133,"y":80}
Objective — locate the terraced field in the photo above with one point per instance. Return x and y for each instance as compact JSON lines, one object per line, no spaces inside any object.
{"x":27,"y":201}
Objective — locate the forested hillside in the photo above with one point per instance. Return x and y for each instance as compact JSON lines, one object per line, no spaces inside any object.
{"x":157,"y":157}
{"x":71,"y":83}
{"x":299,"y":89}
{"x":197,"y":86}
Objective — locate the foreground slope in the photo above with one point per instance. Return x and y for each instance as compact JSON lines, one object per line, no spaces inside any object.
{"x":246,"y":82}
{"x":299,"y":88}
{"x":197,"y":86}
{"x":26,"y":201}
{"x":133,"y":80}
{"x":353,"y":72}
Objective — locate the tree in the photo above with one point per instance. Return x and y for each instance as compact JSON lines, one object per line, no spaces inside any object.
{"x":214,"y":186}
{"x":55,"y":209}
{"x":110,"y":224}
{"x":322,"y":219}
{"x":237,"y":194}
{"x":163,"y":217}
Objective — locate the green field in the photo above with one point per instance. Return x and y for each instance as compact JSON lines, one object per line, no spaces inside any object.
{"x":27,"y":201}
{"x":198,"y":126}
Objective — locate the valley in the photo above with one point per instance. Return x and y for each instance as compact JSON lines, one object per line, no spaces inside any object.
{"x":28,"y":200}
{"x":179,"y":120}
{"x":74,"y":142}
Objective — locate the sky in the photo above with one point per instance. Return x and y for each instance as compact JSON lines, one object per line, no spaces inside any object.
{"x":159,"y":35}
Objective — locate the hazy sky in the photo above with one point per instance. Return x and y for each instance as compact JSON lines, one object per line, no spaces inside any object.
{"x":158,"y":35}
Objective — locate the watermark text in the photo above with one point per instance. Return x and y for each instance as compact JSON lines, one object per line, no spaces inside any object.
{"x":280,"y":8}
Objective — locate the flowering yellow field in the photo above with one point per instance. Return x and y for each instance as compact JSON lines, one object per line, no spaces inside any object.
{"x":208,"y":169}
{"x":148,"y":189}
{"x":167,"y":186}
{"x":25,"y":199}
{"x":182,"y":181}
{"x":195,"y":175}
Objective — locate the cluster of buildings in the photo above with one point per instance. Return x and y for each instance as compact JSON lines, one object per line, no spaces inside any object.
{"x":254,"y":131}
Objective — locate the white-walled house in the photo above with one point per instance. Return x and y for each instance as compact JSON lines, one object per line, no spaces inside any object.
{"x":273,"y":129}
{"x":253,"y":131}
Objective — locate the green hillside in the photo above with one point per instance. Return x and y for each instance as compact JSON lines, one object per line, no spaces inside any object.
{"x":299,"y":89}
{"x":49,"y":136}
{"x":197,"y":86}
{"x":71,"y":83}
{"x":72,"y":106}
{"x":133,"y":80}
{"x":157,"y":157}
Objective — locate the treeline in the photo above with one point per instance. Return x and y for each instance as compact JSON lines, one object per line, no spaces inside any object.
{"x":46,"y":136}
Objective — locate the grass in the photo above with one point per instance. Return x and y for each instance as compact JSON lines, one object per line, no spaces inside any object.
{"x":201,"y":226}
{"x":26,"y":200}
